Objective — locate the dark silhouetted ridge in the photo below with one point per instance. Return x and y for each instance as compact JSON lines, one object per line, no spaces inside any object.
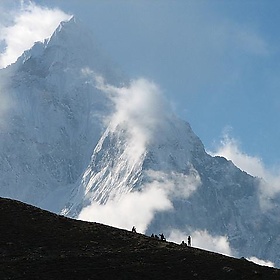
{"x":36,"y":244}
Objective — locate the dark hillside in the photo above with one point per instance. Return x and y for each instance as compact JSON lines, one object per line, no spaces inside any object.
{"x":36,"y":244}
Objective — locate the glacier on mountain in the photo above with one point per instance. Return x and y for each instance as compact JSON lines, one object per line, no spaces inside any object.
{"x":76,"y":136}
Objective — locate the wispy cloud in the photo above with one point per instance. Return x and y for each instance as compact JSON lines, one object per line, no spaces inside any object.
{"x":204,"y":240}
{"x":230,"y":149}
{"x":243,"y":38}
{"x":219,"y":244}
{"x":135,"y":208}
{"x":269,"y":186}
{"x":30,"y":23}
{"x":139,"y":207}
{"x":250,"y":41}
{"x":176,"y":185}
{"x":140,"y":109}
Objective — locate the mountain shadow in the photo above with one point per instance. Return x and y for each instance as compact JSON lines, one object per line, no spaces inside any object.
{"x":36,"y":244}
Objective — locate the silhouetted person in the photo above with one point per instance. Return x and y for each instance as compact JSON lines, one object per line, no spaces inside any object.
{"x":189,"y":240}
{"x":162,"y":237}
{"x":152,"y":235}
{"x":156,"y":237}
{"x":183,"y":243}
{"x":133,"y":229}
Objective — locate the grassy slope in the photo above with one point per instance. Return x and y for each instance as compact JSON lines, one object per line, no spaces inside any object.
{"x":36,"y":244}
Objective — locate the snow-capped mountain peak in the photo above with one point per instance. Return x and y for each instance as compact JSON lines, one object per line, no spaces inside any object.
{"x":56,"y":118}
{"x":77,"y":139}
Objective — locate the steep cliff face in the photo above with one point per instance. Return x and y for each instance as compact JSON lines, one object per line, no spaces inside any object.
{"x":54,"y":115}
{"x":63,"y":147}
{"x":206,"y":193}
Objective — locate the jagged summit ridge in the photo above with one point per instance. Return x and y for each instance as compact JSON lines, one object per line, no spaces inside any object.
{"x":72,"y":35}
{"x":71,"y":46}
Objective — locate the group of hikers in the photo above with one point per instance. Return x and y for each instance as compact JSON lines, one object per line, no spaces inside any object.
{"x":189,"y":242}
{"x":162,"y":237}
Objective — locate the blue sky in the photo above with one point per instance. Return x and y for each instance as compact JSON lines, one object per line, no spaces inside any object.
{"x":216,"y":61}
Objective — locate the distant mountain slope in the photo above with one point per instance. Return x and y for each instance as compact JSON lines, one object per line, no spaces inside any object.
{"x":63,"y":147}
{"x":206,"y":193}
{"x":36,"y":244}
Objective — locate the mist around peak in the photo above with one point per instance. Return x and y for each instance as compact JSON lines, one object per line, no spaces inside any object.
{"x":31,"y":23}
{"x":270,"y":177}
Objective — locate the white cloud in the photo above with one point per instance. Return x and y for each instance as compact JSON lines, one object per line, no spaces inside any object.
{"x":219,"y":244}
{"x":139,"y":109}
{"x":135,"y":208}
{"x":139,"y":207}
{"x":31,"y":23}
{"x":202,"y":239}
{"x":176,"y":184}
{"x":269,"y":186}
{"x":228,"y":34}
{"x":229,"y":148}
{"x":261,"y":262}
{"x":250,"y":41}
{"x":244,"y":38}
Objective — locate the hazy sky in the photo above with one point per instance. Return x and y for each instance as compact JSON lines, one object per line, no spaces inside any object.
{"x":216,"y":61}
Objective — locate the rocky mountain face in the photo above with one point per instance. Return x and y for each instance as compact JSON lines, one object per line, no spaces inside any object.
{"x":62,"y":149}
{"x":54,"y":117}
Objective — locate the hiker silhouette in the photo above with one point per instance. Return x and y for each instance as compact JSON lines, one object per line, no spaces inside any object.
{"x":162,"y":237}
{"x":133,"y":229}
{"x":189,"y":240}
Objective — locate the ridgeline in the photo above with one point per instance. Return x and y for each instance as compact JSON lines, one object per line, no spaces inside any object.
{"x":36,"y":244}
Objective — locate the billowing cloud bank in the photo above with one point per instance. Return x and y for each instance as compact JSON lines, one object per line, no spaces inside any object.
{"x":139,"y":107}
{"x":219,"y":244}
{"x":203,"y":240}
{"x":135,"y":208}
{"x":30,"y":23}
